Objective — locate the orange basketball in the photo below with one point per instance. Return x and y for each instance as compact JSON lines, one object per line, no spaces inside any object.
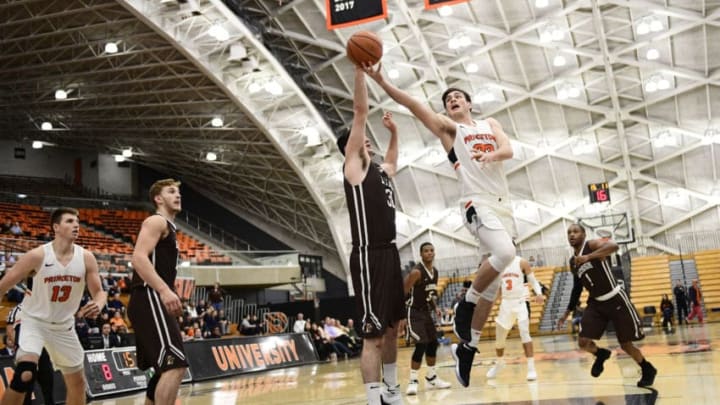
{"x":364,"y":47}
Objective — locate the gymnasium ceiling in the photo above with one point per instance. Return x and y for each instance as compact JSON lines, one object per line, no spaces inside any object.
{"x":644,"y":121}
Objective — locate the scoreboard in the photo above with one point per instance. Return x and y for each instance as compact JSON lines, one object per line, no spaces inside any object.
{"x":599,"y":192}
{"x":112,"y":371}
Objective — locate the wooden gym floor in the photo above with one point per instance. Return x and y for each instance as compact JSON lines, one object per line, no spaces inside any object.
{"x":688,"y":366}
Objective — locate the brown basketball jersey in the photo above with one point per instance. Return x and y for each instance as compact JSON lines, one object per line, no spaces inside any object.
{"x":371,"y":205}
{"x":164,"y":257}
{"x":423,"y":295}
{"x":595,"y":275}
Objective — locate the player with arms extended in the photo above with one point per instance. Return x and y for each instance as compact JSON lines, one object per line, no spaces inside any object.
{"x":60,"y":270}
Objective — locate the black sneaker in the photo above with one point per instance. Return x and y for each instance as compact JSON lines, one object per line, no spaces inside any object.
{"x":463,"y":356}
{"x":648,"y":376}
{"x":463,"y":318}
{"x":600,"y":357}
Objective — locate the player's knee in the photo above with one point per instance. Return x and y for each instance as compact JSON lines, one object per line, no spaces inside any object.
{"x":524,"y":328}
{"x":490,"y":293}
{"x":500,"y":336}
{"x":24,"y":378}
{"x":431,"y":350}
{"x":419,"y":351}
{"x":584,"y":343}
{"x":502,"y":255}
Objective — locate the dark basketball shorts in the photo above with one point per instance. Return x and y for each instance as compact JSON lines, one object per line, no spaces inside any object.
{"x":157,"y":334}
{"x":420,"y":326}
{"x":378,"y":286}
{"x":617,"y":309}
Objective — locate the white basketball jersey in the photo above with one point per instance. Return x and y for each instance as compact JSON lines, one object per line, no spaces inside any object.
{"x":513,"y":281}
{"x":478,"y":178}
{"x":57,"y":289}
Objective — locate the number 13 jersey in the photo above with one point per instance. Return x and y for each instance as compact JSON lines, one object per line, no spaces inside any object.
{"x":477,"y":178}
{"x":57,"y":290}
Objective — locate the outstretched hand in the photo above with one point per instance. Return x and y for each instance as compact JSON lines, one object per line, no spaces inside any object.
{"x":374,"y":71}
{"x":388,"y":122}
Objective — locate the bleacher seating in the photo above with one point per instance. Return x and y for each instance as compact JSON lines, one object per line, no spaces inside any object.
{"x":650,"y":279}
{"x":38,"y":185}
{"x":708,"y":267}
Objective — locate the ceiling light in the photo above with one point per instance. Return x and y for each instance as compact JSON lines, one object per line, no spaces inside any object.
{"x":551,"y":32}
{"x":127,"y":152}
{"x":211,"y":156}
{"x":663,"y":84}
{"x":312,"y":136}
{"x":647,"y":24}
{"x":216,"y":122}
{"x":656,"y":25}
{"x":541,"y":3}
{"x":111,"y":47}
{"x":459,"y":40}
{"x":485,"y":96}
{"x":22,"y":196}
{"x":472,"y":67}
{"x":651,"y":86}
{"x":658,"y":81}
{"x":218,"y":32}
{"x":712,"y":135}
{"x":46,"y":126}
{"x":393,"y":73}
{"x":568,"y":90}
{"x":652,"y":54}
{"x":119,"y":158}
{"x":559,"y":60}
{"x":60,"y":94}
{"x":642,"y":28}
{"x":445,"y":11}
{"x":582,"y":147}
{"x":274,"y":88}
{"x":37,"y":145}
{"x":254,"y":87}
{"x":663,"y":139}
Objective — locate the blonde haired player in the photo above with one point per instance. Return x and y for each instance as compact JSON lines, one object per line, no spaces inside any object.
{"x":60,"y":270}
{"x":513,"y":307}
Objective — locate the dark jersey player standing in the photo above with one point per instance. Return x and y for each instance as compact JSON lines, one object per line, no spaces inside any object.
{"x":607,"y":301}
{"x":154,"y":306}
{"x":374,"y":260}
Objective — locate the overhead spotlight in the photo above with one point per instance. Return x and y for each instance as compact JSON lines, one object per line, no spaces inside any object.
{"x":46,"y":126}
{"x":273,"y":87}
{"x":111,"y":47}
{"x":216,"y":122}
{"x":60,"y":94}
{"x":550,"y":33}
{"x":541,"y":3}
{"x":211,"y":156}
{"x":559,"y":60}
{"x":568,"y":90}
{"x":459,"y":40}
{"x":119,"y":158}
{"x":218,"y":32}
{"x":648,"y":24}
{"x":711,"y":135}
{"x":37,"y":145}
{"x":471,"y":67}
{"x":664,"y":138}
{"x":652,"y":54}
{"x":656,"y":25}
{"x":127,"y":152}
{"x":485,"y":96}
{"x":312,"y":136}
{"x":22,"y":196}
{"x":582,"y":147}
{"x":642,"y":27}
{"x":658,"y":81}
{"x":254,"y":87}
{"x":651,"y":86}
{"x":445,"y":11}
{"x":393,"y":73}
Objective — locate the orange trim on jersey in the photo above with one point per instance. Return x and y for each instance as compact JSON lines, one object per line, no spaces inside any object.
{"x":331,"y":26}
{"x":468,"y":204}
{"x":456,"y":165}
{"x":429,"y":6}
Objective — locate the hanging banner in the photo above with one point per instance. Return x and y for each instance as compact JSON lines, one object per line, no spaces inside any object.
{"x":431,"y":4}
{"x":346,"y":13}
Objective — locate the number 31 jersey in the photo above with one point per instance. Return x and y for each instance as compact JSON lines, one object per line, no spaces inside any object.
{"x":57,"y":289}
{"x":477,"y":178}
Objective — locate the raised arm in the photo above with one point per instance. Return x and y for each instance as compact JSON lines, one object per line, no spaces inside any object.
{"x":150,"y":234}
{"x":357,"y":157}
{"x":391,"y":155}
{"x":440,"y":125}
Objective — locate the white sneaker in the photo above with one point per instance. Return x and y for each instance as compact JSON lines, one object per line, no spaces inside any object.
{"x":412,"y":387}
{"x":436,"y":383}
{"x":494,"y":370}
{"x":391,"y":395}
{"x":531,"y":375}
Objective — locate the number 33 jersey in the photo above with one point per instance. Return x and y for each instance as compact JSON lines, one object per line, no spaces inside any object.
{"x":57,"y":289}
{"x":371,"y":205}
{"x":477,"y":178}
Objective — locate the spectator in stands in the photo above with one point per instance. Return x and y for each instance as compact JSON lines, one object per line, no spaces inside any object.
{"x":246,"y":328}
{"x":299,"y":325}
{"x":695,"y":302}
{"x":223,"y":322}
{"x":118,"y":320}
{"x":338,"y":339}
{"x":8,"y":349}
{"x":215,"y":333}
{"x":667,"y":309}
{"x":539,"y":261}
{"x":681,"y":300}
{"x":352,"y":333}
{"x":258,"y":324}
{"x":16,"y":229}
{"x":201,"y":308}
{"x":114,"y":304}
{"x":191,"y":310}
{"x":5,"y":227}
{"x":46,"y":237}
{"x":211,"y":321}
{"x":197,"y":335}
{"x":322,"y":345}
{"x":9,"y":260}
{"x":216,"y":297}
{"x":531,"y":260}
{"x":109,"y":338}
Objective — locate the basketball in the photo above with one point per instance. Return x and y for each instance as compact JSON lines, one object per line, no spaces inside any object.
{"x":364,"y":47}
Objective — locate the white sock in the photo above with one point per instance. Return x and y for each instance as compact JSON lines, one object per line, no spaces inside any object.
{"x":531,"y":363}
{"x":413,"y":375}
{"x":390,"y":374}
{"x":430,"y":373}
{"x":372,"y":390}
{"x":474,"y":338}
{"x":500,"y":361}
{"x":472,"y":296}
